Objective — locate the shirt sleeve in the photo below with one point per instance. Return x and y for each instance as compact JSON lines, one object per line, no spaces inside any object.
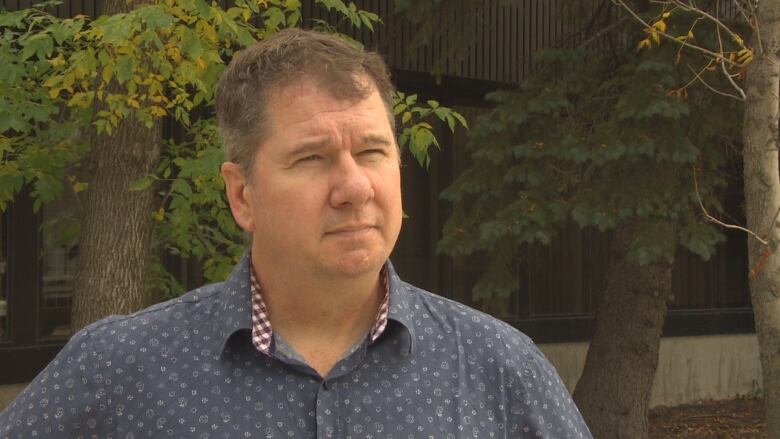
{"x":68,"y":399}
{"x":543,"y":403}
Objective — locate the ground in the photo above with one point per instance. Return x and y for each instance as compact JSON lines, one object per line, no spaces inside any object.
{"x":735,"y":418}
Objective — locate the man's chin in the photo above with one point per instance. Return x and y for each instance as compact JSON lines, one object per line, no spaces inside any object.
{"x":357,"y":264}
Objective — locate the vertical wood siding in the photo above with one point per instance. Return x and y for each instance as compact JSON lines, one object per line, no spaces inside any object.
{"x":506,"y":35}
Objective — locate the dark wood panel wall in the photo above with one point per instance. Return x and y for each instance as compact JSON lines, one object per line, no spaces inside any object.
{"x":506,"y":36}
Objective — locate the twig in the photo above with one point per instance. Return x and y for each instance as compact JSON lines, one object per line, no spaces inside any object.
{"x":719,"y":24}
{"x":670,"y":37}
{"x":695,"y":22}
{"x":725,"y":71}
{"x":733,"y":84}
{"x":696,"y":75}
{"x":713,"y":89}
{"x":717,"y":221}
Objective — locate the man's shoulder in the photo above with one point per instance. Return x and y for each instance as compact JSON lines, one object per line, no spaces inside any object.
{"x":194,"y":304}
{"x":467,"y":324}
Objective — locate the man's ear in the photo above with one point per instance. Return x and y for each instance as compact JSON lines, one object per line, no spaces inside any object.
{"x":238,"y":190}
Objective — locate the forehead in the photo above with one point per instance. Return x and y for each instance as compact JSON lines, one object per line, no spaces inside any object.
{"x":308,"y":107}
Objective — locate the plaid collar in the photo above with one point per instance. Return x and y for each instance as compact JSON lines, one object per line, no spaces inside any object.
{"x":262,"y":331}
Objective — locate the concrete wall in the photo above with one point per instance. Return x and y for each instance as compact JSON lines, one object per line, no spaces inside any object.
{"x":689,"y":368}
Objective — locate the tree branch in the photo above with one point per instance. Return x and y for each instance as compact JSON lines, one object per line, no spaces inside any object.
{"x":719,"y":222}
{"x":697,"y":76}
{"x":733,"y":84}
{"x":725,"y":71}
{"x":670,"y":37}
{"x":690,"y":8}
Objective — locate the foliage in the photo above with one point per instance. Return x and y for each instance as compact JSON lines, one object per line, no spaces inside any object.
{"x":714,"y":34}
{"x":417,"y":134}
{"x":600,"y":144}
{"x":161,"y":60}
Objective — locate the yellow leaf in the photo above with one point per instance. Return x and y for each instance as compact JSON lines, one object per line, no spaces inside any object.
{"x":107,"y":73}
{"x":54,"y":93}
{"x":643,"y":44}
{"x":666,"y":14}
{"x":57,"y":61}
{"x":79,"y":186}
{"x":690,"y":34}
{"x":744,"y":56}
{"x":157,"y":111}
{"x":656,"y":37}
{"x":207,"y":30}
{"x":660,"y":26}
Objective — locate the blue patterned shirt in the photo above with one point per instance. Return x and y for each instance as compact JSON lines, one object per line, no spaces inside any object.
{"x":187,"y":368}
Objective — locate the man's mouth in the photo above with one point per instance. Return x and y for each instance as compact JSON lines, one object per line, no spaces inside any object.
{"x":352,"y":229}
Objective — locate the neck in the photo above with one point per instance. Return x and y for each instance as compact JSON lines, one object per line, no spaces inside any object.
{"x":321,"y":318}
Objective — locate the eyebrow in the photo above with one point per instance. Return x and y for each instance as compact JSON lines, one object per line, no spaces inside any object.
{"x":375,"y":139}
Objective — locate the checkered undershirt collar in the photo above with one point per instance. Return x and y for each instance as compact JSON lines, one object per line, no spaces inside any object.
{"x":262,"y":332}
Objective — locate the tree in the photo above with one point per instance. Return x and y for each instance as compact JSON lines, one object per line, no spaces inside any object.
{"x":85,"y":96}
{"x":115,"y":221}
{"x":752,"y":73}
{"x":613,"y":142}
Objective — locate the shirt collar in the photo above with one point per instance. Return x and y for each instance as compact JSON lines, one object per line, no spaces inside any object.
{"x":402,"y":304}
{"x":232,"y":311}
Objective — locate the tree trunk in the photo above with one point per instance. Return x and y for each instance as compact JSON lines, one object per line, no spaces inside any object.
{"x":115,"y":239}
{"x":762,"y":200}
{"x":613,"y":393}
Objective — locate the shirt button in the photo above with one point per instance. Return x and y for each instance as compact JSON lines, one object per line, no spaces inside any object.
{"x":328,"y":384}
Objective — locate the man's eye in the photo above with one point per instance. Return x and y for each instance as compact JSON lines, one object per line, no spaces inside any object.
{"x":309,"y":158}
{"x":373,"y":151}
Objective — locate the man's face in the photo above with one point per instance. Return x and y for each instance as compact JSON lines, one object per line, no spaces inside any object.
{"x":325,"y":193}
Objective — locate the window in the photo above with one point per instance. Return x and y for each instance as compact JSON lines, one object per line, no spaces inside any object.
{"x":58,"y":267}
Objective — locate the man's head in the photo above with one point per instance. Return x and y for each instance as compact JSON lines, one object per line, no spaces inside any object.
{"x":290,"y":56}
{"x":313,"y":172}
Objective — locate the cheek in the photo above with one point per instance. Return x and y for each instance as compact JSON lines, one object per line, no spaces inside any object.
{"x":287,"y":205}
{"x":390,"y":190}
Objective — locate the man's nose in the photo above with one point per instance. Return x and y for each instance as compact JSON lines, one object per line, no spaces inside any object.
{"x":351,"y":184}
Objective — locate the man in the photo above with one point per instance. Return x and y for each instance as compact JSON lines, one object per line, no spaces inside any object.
{"x":314,"y":334}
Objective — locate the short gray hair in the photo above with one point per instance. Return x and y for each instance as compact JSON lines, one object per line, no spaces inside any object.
{"x":290,"y":56}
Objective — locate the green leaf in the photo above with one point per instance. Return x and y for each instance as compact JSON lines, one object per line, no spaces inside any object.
{"x":155,"y":17}
{"x":142,"y":183}
{"x":13,"y":19}
{"x":124,"y":68}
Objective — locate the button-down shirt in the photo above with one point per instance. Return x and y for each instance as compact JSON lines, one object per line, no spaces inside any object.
{"x":187,"y":368}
